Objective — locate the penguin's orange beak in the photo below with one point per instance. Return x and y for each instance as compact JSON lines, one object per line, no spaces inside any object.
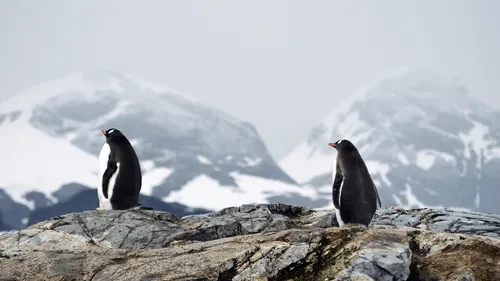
{"x":332,"y":144}
{"x":103,"y":132}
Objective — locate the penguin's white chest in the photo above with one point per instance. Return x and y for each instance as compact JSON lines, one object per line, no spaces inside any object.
{"x":104,"y":203}
{"x":337,"y":211}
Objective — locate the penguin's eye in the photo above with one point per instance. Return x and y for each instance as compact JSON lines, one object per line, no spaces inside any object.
{"x":110,"y":131}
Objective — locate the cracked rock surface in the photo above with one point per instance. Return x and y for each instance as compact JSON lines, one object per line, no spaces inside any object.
{"x":255,"y":242}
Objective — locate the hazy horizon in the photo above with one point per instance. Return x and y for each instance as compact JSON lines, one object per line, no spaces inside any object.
{"x":281,"y":65}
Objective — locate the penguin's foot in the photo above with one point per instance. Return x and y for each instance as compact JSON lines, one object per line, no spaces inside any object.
{"x":355,"y":225}
{"x":99,"y":208}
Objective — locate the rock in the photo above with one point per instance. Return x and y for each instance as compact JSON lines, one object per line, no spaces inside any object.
{"x":255,"y":242}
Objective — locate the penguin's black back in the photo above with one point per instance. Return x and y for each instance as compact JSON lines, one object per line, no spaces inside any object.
{"x":359,"y":196}
{"x":129,"y":179}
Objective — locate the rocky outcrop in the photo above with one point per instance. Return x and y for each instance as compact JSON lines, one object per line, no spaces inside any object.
{"x":86,"y":199}
{"x":255,"y":242}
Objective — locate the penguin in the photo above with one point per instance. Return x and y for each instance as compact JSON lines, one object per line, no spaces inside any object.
{"x":354,"y":194}
{"x":120,"y":176}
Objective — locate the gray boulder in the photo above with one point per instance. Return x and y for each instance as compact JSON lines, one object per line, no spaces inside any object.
{"x":255,"y":242}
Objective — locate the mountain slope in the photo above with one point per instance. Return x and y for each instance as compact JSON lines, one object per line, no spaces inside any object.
{"x":190,"y":153}
{"x":425,"y":140}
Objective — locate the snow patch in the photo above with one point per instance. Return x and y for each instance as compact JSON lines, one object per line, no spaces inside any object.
{"x":476,"y":140}
{"x":135,"y":142}
{"x":205,"y":192}
{"x":252,"y":162}
{"x":477,"y":199}
{"x":305,"y":162}
{"x":203,"y":160}
{"x":249,"y":162}
{"x":445,"y":156}
{"x":425,"y":160}
{"x":494,"y":153}
{"x":47,"y":168}
{"x":153,"y":178}
{"x":411,"y":198}
{"x":147,"y":165}
{"x":402,"y":158}
{"x":414,"y":202}
{"x":379,"y":168}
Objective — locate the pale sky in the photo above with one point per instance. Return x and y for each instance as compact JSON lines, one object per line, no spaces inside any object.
{"x":282,"y":65}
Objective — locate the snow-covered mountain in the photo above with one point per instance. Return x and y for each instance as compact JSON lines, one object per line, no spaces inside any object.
{"x":425,"y":140}
{"x":190,"y":153}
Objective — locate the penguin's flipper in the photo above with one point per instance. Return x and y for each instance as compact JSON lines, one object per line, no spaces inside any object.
{"x":337,"y":183}
{"x":108,"y":174}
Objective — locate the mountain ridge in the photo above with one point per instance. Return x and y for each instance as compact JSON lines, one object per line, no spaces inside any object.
{"x":190,"y":153}
{"x":425,"y":139}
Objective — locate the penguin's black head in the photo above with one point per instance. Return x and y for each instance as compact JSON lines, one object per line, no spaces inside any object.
{"x":113,"y":135}
{"x":343,"y":145}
